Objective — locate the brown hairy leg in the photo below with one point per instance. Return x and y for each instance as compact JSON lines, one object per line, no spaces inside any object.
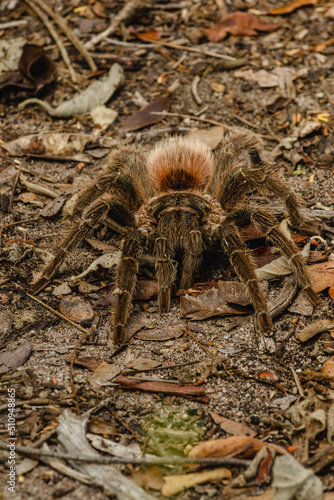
{"x":192,"y":257}
{"x":125,"y":282}
{"x":270,"y":226}
{"x":236,"y":250}
{"x":165,"y":271}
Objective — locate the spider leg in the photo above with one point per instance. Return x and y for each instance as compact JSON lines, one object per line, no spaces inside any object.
{"x":192,"y":256}
{"x":239,"y":168}
{"x":95,"y":215}
{"x":270,"y":226}
{"x":236,"y":250}
{"x":165,"y":270}
{"x":132,"y":247}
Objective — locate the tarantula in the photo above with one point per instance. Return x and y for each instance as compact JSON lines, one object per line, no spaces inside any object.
{"x":181,"y":198}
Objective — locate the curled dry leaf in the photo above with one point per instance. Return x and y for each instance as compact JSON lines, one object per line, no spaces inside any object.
{"x":317,"y":327}
{"x":291,"y":7}
{"x":145,"y":36}
{"x":146,"y":115}
{"x":237,"y":23}
{"x":48,"y":144}
{"x":179,"y":482}
{"x":328,"y":367}
{"x":36,"y":66}
{"x":234,"y":445}
{"x":96,"y":94}
{"x":321,"y":275}
{"x":76,"y":309}
{"x":230,"y":298}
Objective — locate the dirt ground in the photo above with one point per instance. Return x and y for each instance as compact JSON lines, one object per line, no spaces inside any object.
{"x":221,"y":354}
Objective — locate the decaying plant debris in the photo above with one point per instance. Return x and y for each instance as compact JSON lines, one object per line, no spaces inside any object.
{"x":201,"y":404}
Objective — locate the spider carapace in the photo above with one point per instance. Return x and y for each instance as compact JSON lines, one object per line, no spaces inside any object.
{"x":180,"y":198}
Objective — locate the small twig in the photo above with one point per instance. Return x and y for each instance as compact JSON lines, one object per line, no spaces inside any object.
{"x":202,"y":346}
{"x":53,"y":311}
{"x":194,"y":90}
{"x":54,"y":35}
{"x":165,"y":367}
{"x":98,"y":459}
{"x":38,"y":188}
{"x":121,"y":421}
{"x":14,"y":24}
{"x":298,"y":384}
{"x":10,"y":207}
{"x":5,"y":226}
{"x":126,"y":13}
{"x":206,"y":120}
{"x":69,"y":33}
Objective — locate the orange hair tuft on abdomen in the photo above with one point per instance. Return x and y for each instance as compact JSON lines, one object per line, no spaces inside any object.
{"x":180,"y":164}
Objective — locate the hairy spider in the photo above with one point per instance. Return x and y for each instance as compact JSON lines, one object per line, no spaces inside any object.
{"x":182,"y":197}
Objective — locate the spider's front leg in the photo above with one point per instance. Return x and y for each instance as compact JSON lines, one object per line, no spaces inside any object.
{"x":235,"y":249}
{"x":126,"y":280}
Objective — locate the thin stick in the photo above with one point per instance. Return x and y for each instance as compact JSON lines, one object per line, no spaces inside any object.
{"x":126,"y":13}
{"x":298,"y":384}
{"x":194,"y":90}
{"x":53,"y":311}
{"x":13,"y":190}
{"x":98,"y":459}
{"x":55,"y":36}
{"x":69,"y":33}
{"x":202,"y":346}
{"x":205,"y":120}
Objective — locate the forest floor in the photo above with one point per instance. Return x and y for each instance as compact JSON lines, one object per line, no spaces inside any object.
{"x":270,"y":72}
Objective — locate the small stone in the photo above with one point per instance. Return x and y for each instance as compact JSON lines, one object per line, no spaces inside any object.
{"x":62,"y":289}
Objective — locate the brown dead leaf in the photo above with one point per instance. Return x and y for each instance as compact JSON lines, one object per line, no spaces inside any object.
{"x":145,"y":36}
{"x":314,"y":328}
{"x":103,"y":374}
{"x":14,"y":357}
{"x":234,"y":445}
{"x":145,"y":116}
{"x":180,"y":482}
{"x":328,"y":367}
{"x":36,"y":66}
{"x":149,"y":477}
{"x":237,"y":23}
{"x":142,"y":363}
{"x":89,"y":362}
{"x":76,"y":309}
{"x":230,"y":298}
{"x":321,"y":275}
{"x":98,"y":426}
{"x":232,"y":427}
{"x":171,"y":331}
{"x":195,"y":392}
{"x":146,"y":289}
{"x":291,"y":7}
{"x":53,"y":207}
{"x":263,"y":472}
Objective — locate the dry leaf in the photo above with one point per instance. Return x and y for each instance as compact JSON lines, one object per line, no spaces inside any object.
{"x":89,"y":362}
{"x":36,"y":66}
{"x":145,"y":116}
{"x":103,"y":116}
{"x":150,"y":477}
{"x":232,"y":427}
{"x":237,"y":23}
{"x":98,"y":93}
{"x":180,"y":482}
{"x":103,"y":374}
{"x":328,"y":366}
{"x":321,"y":275}
{"x":142,"y":363}
{"x":193,"y":391}
{"x":274,"y":78}
{"x":314,"y":328}
{"x":97,"y":426}
{"x":211,"y":136}
{"x":145,"y":36}
{"x":53,"y":207}
{"x":230,"y":298}
{"x":146,"y":289}
{"x":170,"y":331}
{"x":234,"y":445}
{"x":48,"y":144}
{"x":14,"y":357}
{"x":76,"y":309}
{"x":291,"y":7}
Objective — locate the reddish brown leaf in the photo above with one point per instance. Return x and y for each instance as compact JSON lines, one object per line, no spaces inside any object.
{"x":146,"y":36}
{"x":76,"y":309}
{"x":321,"y":275}
{"x":89,"y":362}
{"x":14,"y":357}
{"x":146,"y":289}
{"x":145,"y":116}
{"x":237,"y":23}
{"x":187,"y":390}
{"x":234,"y":445}
{"x":291,"y":7}
{"x":264,"y":469}
{"x":232,"y":427}
{"x":331,"y":292}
